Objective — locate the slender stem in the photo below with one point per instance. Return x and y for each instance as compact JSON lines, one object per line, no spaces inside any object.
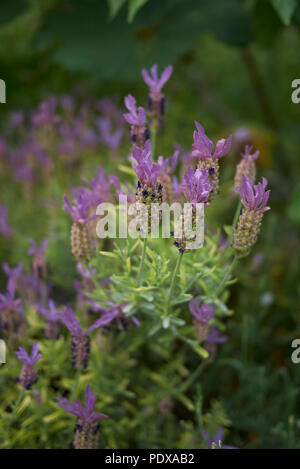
{"x":153,"y":131}
{"x":18,"y":402}
{"x":227,"y":274}
{"x":179,"y":259}
{"x":235,"y":220}
{"x":139,"y":278}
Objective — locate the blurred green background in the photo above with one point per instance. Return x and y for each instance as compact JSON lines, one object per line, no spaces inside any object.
{"x":234,"y":62}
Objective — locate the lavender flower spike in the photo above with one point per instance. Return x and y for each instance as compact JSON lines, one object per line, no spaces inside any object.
{"x":246,"y":166}
{"x":254,"y":199}
{"x":202,"y":315}
{"x":53,"y":320}
{"x":208,"y":159}
{"x":137,"y":118}
{"x":86,"y":430}
{"x":28,"y":374}
{"x":80,"y":240}
{"x":80,"y":343}
{"x":39,"y":261}
{"x":11,"y":310}
{"x":156,"y":100}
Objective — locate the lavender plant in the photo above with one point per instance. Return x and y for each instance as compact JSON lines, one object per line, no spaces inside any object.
{"x":158,"y":310}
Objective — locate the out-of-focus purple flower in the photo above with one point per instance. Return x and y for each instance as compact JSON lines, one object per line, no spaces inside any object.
{"x":196,"y":185}
{"x":39,"y":260}
{"x":14,"y":274}
{"x":28,"y":375}
{"x":254,"y":197}
{"x":136,"y":116}
{"x":46,"y":113}
{"x":146,"y":170}
{"x":36,"y":250}
{"x":246,"y":166}
{"x":86,"y":430}
{"x":168,"y":165}
{"x":5,"y":228}
{"x":3,"y":146}
{"x":248,"y":153}
{"x":213,"y":339}
{"x":203,"y":313}
{"x":80,"y":345}
{"x":11,"y":310}
{"x":216,"y":440}
{"x":53,"y":317}
{"x":79,"y":209}
{"x":203,"y":146}
{"x":67,"y":103}
{"x":155,"y":82}
{"x":16,"y":119}
{"x":111,"y":139}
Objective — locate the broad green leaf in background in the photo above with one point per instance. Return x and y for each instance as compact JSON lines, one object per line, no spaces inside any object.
{"x":114,"y":7}
{"x":293,"y":209}
{"x":134,"y":7}
{"x":285,"y":9}
{"x":267,"y":24}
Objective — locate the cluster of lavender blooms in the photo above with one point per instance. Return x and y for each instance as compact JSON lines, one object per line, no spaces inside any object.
{"x":57,"y":133}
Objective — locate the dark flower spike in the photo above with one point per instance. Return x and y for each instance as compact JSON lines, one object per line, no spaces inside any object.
{"x":254,"y":199}
{"x":86,"y":430}
{"x":137,"y":118}
{"x":156,"y":100}
{"x":28,"y":375}
{"x":80,"y":344}
{"x":39,"y":261}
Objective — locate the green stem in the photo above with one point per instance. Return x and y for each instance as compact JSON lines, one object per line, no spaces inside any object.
{"x":226,"y":276}
{"x":234,"y":223}
{"x":139,"y":278}
{"x":179,"y":259}
{"x":153,"y":131}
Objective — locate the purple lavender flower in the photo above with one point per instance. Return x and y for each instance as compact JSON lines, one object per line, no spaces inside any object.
{"x":79,"y":210}
{"x":86,"y":430}
{"x":136,"y":116}
{"x":153,"y":81}
{"x":216,"y":440}
{"x":53,"y":320}
{"x":202,"y":315}
{"x":80,"y":344}
{"x":196,"y":185}
{"x":11,"y":310}
{"x":213,"y":339}
{"x":45,"y":115}
{"x":254,"y":197}
{"x":246,"y":166}
{"x":120,"y":317}
{"x":111,"y":139}
{"x":14,"y":274}
{"x":156,"y":100}
{"x":5,"y":228}
{"x":203,"y":146}
{"x":16,"y":119}
{"x":146,"y":170}
{"x":28,"y":375}
{"x":39,"y":260}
